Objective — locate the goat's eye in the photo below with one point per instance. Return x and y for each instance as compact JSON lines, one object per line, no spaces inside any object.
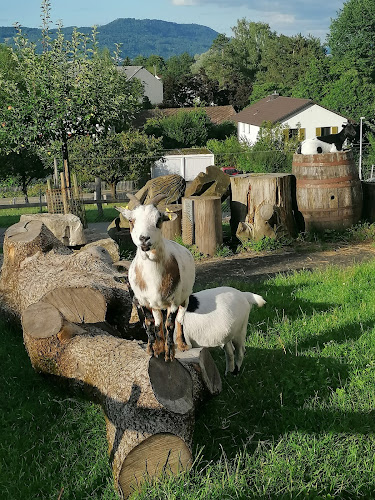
{"x":159,"y":222}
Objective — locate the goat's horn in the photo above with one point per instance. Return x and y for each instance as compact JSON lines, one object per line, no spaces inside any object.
{"x":157,"y":199}
{"x":134,"y":199}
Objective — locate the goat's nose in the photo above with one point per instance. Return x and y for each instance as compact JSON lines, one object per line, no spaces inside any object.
{"x":144,"y":239}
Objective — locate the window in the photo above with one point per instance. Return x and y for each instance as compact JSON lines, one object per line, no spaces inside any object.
{"x":321,"y":131}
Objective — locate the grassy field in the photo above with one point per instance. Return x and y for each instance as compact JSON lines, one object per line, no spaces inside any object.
{"x":298,"y":422}
{"x":10,"y":216}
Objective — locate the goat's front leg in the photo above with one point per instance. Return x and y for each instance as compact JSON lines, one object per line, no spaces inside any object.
{"x":149,"y":325}
{"x":169,"y":344}
{"x":159,"y":342}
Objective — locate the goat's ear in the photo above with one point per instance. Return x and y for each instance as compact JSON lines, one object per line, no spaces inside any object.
{"x":169,"y":216}
{"x":125,"y":212}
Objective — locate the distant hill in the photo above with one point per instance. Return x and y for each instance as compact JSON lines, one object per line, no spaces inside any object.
{"x":138,"y":37}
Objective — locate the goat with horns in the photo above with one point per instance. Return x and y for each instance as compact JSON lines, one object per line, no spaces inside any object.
{"x":161,"y":276}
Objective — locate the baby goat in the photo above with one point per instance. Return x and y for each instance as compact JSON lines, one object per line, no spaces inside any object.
{"x":219,"y":317}
{"x":330,"y":143}
{"x":161,"y":275}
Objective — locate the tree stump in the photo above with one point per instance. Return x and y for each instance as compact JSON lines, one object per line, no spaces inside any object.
{"x":201,"y":223}
{"x":75,"y":310}
{"x":261,"y":205}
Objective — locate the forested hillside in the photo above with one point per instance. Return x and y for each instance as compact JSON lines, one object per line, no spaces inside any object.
{"x":145,"y":37}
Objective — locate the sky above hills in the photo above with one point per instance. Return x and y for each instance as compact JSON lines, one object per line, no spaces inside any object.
{"x":284,"y":17}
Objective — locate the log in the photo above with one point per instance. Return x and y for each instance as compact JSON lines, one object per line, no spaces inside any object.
{"x":261,"y":206}
{"x":75,"y":313}
{"x":201,"y":223}
{"x":172,"y":228}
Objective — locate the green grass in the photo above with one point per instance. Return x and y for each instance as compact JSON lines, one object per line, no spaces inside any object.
{"x":298,"y":422}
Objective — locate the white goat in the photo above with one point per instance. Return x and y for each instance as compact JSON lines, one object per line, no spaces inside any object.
{"x":330,"y":143}
{"x":161,"y":275}
{"x":218,"y":317}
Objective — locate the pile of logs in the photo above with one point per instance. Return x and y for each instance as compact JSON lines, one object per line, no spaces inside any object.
{"x":75,"y":310}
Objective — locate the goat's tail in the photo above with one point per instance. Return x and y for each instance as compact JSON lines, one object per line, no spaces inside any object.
{"x":255,"y":299}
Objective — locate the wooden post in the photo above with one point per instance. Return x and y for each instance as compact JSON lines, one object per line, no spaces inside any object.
{"x":64,"y":193}
{"x":201,"y":223}
{"x":55,"y":173}
{"x":171,"y":229}
{"x":98,"y":195}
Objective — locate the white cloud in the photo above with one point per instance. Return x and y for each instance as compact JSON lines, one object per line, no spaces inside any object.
{"x":184,"y":2}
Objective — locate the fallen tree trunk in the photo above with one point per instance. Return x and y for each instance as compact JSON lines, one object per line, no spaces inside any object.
{"x":74,"y":308}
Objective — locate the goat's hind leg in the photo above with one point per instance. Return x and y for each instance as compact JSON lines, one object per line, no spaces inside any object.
{"x":149,"y":325}
{"x":180,"y":337}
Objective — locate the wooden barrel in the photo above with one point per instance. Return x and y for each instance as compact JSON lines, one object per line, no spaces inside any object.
{"x":328,"y":190}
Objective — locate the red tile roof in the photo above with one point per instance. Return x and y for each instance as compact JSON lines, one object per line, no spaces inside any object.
{"x":273,"y":108}
{"x":217,"y":114}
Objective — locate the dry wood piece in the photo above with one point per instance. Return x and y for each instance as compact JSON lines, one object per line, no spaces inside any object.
{"x":74,"y":308}
{"x":262,"y":205}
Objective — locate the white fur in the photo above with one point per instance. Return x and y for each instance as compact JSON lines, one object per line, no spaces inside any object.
{"x":152,"y":263}
{"x":312,"y":146}
{"x":221,"y":320}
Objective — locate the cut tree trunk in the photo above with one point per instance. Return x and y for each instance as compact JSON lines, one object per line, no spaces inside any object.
{"x":262,"y":206}
{"x":74,"y":309}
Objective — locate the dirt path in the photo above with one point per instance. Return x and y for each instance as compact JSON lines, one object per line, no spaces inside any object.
{"x":260,"y":267}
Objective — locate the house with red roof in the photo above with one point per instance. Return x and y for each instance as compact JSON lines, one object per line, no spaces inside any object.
{"x":301,"y":116}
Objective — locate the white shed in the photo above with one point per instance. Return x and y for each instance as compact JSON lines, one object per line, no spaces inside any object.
{"x":186,"y":162}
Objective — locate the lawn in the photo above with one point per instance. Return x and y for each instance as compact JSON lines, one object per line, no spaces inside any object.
{"x":298,"y":422}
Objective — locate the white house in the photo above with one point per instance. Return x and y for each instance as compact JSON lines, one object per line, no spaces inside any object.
{"x":153,"y":86}
{"x":311,"y":119}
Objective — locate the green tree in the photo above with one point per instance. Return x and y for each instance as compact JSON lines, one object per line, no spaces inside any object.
{"x":127,"y":155}
{"x":285,"y":60}
{"x":68,"y":90}
{"x":182,"y":130}
{"x":352,"y":36}
{"x":23,"y":167}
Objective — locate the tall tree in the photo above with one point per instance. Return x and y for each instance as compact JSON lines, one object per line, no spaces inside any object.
{"x":352,"y":36}
{"x":70,"y":89}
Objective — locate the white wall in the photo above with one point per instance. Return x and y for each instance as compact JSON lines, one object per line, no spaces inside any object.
{"x":314,"y":117}
{"x":188,"y":166}
{"x":153,"y":86}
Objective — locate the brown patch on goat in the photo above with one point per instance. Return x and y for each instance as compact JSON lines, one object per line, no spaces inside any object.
{"x":139,"y":278}
{"x":180,"y":337}
{"x":170,"y":278}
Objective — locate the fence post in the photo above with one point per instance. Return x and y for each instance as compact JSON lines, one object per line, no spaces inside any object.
{"x":98,"y":195}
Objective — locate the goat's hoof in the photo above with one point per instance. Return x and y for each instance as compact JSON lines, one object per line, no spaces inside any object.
{"x":236,"y":371}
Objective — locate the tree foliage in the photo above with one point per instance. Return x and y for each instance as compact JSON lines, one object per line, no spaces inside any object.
{"x":127,"y":155}
{"x":70,"y":89}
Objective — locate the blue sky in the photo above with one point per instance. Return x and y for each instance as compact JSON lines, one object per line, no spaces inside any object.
{"x":283,"y":16}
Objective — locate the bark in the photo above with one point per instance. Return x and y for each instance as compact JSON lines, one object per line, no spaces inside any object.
{"x":74,"y":309}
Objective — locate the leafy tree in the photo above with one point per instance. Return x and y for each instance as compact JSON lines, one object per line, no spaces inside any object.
{"x":127,"y":155}
{"x":23,"y":167}
{"x":273,"y":152}
{"x":228,"y":152}
{"x":285,"y":60}
{"x":352,"y":36}
{"x":315,"y":82}
{"x":68,"y":90}
{"x":182,"y":130}
{"x":178,"y":66}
